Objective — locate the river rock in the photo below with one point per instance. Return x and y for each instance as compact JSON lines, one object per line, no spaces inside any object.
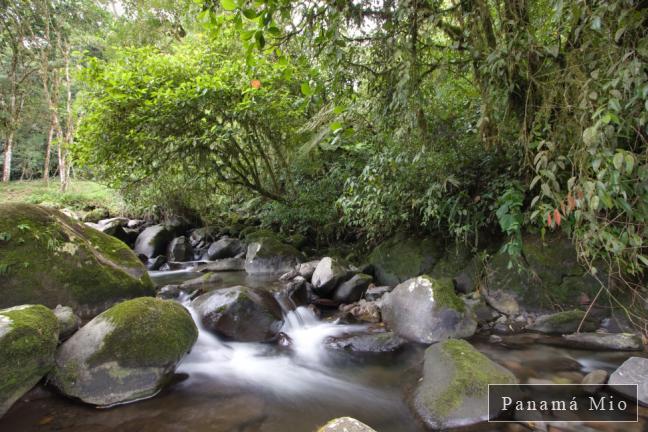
{"x":51,"y":259}
{"x":352,"y":290}
{"x":179,"y":250}
{"x":345,"y":424}
{"x":156,"y":263}
{"x":427,"y":310}
{"x":563,"y":322}
{"x":596,"y":378}
{"x":401,"y":257}
{"x":270,"y":256}
{"x":153,"y":241}
{"x":240,"y":313}
{"x":28,"y":338}
{"x":222,"y":265}
{"x":632,"y":371}
{"x":365,"y":311}
{"x":201,"y":282}
{"x":369,"y":343}
{"x":68,"y":321}
{"x":203,"y":235}
{"x":605,"y":341}
{"x":126,"y":353}
{"x":225,"y":247}
{"x":307,"y":269}
{"x":328,"y":274}
{"x":502,"y":302}
{"x":483,"y":313}
{"x":454,"y":388}
{"x":376,"y":292}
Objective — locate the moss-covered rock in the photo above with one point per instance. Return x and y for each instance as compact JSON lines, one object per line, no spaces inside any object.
{"x":270,"y":256}
{"x":454,"y":388}
{"x":240,"y":313}
{"x":427,"y":310}
{"x":345,"y":424}
{"x":28,"y":339}
{"x":550,"y":274}
{"x":126,"y":353}
{"x":400,"y":258}
{"x":50,"y":259}
{"x":564,"y":322}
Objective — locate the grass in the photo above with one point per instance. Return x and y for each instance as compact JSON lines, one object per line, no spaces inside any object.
{"x":81,"y":195}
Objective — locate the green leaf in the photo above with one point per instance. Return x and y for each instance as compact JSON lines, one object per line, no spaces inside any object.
{"x":629,"y":162}
{"x":643,"y":259}
{"x":306,"y":89}
{"x":260,"y":40}
{"x":228,"y":5}
{"x":335,"y":126}
{"x":618,"y":160}
{"x":249,"y":13}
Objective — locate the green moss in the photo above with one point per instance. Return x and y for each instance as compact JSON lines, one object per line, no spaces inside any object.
{"x":148,"y":332}
{"x":473,"y":372}
{"x":271,"y":247}
{"x":51,"y":259}
{"x":565,"y":317}
{"x":254,"y":235}
{"x":444,"y":294}
{"x":401,"y":257}
{"x":27,"y":350}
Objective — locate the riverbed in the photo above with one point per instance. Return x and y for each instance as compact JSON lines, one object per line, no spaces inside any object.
{"x":248,"y":387}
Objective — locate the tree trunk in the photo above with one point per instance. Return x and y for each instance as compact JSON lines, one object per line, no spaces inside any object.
{"x":48,"y":152}
{"x":8,"y":153}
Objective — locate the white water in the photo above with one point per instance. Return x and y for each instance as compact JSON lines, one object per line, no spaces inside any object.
{"x":295,"y":373}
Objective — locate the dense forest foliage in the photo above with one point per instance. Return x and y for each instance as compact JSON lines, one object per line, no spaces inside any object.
{"x":345,"y":121}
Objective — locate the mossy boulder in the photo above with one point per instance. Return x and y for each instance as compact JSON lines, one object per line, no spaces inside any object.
{"x":427,"y":310}
{"x":240,"y":313}
{"x":454,"y":389}
{"x":548,"y":275}
{"x":345,"y":424}
{"x":270,"y":256}
{"x":28,"y":338}
{"x":50,"y":259}
{"x":564,"y":322}
{"x":401,"y":257}
{"x":459,"y":264}
{"x":125,"y":354}
{"x":225,"y":247}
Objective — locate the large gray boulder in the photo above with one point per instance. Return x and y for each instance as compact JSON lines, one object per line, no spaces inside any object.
{"x":179,"y":250}
{"x":328,"y":274}
{"x":563,"y":322}
{"x":153,"y":241}
{"x":632,"y":371}
{"x":270,"y":256}
{"x":225,"y":247}
{"x":240,"y":313}
{"x":401,"y":257}
{"x":427,"y":310}
{"x":28,"y":339}
{"x":352,"y":290}
{"x":125,"y":354}
{"x":454,"y":389}
{"x":51,"y":259}
{"x":550,"y":274}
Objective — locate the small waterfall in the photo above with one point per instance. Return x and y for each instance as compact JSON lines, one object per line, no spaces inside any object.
{"x":292,"y":374}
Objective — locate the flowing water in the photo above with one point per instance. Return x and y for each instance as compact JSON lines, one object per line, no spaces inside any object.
{"x":253,"y":387}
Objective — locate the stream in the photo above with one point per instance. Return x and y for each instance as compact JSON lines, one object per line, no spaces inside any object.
{"x":247,"y":387}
